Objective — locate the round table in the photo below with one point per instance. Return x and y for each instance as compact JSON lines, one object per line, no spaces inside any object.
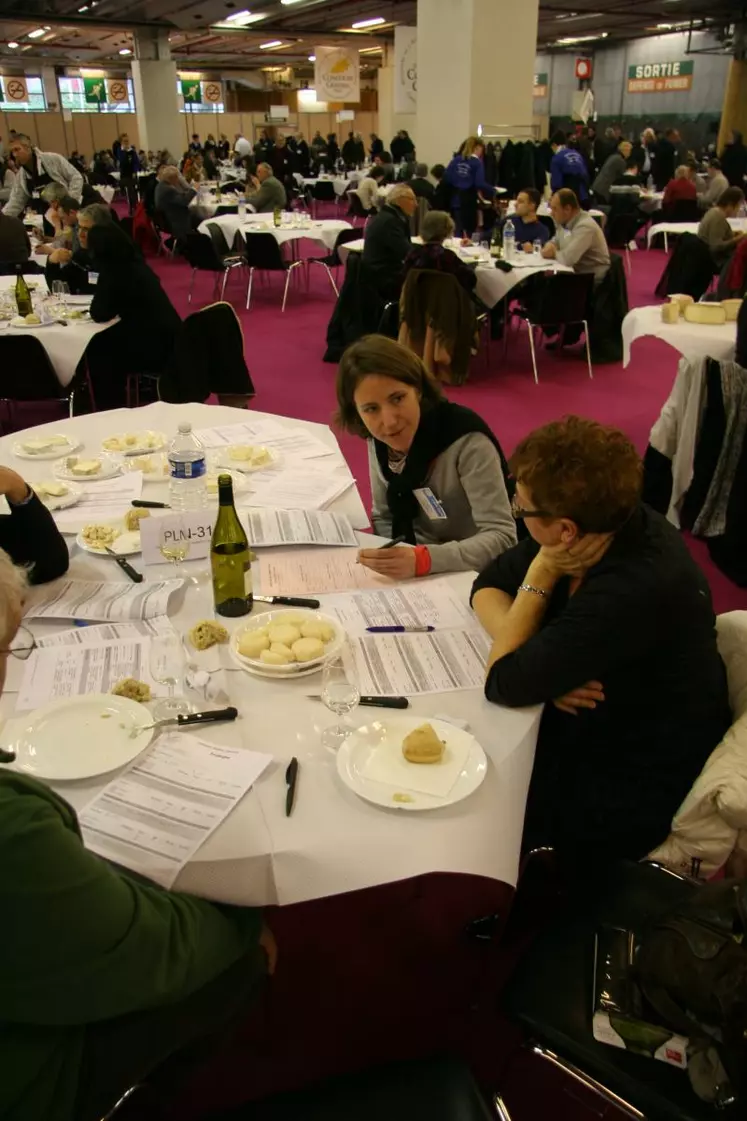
{"x":339,"y":182}
{"x":685,"y":228}
{"x":324,"y":231}
{"x":692,"y":340}
{"x":334,"y":842}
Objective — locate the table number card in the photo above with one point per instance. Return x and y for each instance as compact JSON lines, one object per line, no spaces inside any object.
{"x":194,"y":529}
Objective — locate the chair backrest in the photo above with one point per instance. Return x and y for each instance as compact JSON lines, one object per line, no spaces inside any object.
{"x":343,"y":237}
{"x":201,"y":253}
{"x":263,"y":252}
{"x":208,"y":357}
{"x":689,"y":269}
{"x":323,"y":191}
{"x":218,"y":238}
{"x":356,"y":209}
{"x":416,"y":220}
{"x":547,"y":221}
{"x":232,"y":187}
{"x":161,"y":222}
{"x":28,"y":374}
{"x":684,"y":210}
{"x":564,"y":298}
{"x":620,"y":229}
{"x":436,"y":300}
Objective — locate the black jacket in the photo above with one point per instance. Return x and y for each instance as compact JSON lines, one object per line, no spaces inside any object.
{"x":173,"y":202}
{"x":29,"y":537}
{"x":15,"y":247}
{"x":665,"y":159}
{"x":148,"y":318}
{"x":423,"y":188}
{"x":734,"y":163}
{"x":386,"y":246}
{"x":642,"y":624}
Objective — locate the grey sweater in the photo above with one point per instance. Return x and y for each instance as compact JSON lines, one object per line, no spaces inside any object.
{"x":468,"y":482}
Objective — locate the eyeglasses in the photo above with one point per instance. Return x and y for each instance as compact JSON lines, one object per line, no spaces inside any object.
{"x":22,"y":645}
{"x":519,"y":513}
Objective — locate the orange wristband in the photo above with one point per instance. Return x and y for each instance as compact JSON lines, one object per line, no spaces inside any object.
{"x":422,"y":560}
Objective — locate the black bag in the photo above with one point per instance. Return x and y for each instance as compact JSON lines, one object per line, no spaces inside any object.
{"x":692,"y":969}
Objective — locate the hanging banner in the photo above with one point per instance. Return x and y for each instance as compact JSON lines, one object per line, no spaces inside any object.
{"x":337,"y":74}
{"x":191,"y":91}
{"x":212,"y":92}
{"x":95,"y":90}
{"x":661,"y":77}
{"x":116,"y":91}
{"x":15,"y":89}
{"x":405,"y":69}
{"x":540,"y":85}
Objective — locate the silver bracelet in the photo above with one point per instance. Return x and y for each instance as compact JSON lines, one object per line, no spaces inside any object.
{"x":532,"y":589}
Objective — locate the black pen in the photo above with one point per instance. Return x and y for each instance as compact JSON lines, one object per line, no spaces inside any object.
{"x":291,"y":778}
{"x":393,"y":542}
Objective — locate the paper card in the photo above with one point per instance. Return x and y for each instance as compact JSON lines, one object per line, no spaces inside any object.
{"x":193,"y":530}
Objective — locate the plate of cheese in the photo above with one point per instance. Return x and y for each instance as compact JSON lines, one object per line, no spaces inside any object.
{"x":55,"y":494}
{"x":247,"y":457}
{"x":134,"y":443}
{"x":154,"y":466}
{"x":88,"y":469}
{"x":52,"y":446}
{"x":405,"y":763}
{"x":122,"y":536}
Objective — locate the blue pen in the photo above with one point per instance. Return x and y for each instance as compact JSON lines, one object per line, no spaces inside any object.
{"x":81,"y":623}
{"x":399,"y":630}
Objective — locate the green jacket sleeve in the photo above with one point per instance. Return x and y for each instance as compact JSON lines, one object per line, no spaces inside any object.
{"x":83,"y":942}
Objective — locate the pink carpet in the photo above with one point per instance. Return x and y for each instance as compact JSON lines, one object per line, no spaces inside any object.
{"x":284,"y":354}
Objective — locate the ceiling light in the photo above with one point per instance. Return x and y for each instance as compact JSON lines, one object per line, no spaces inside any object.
{"x":28,"y":47}
{"x":368,"y":23}
{"x":370,"y":50}
{"x":571,"y":39}
{"x":240,"y":19}
{"x":573,"y":16}
{"x":84,"y":8}
{"x":286,"y":2}
{"x":12,"y":46}
{"x":38,"y":32}
{"x":125,"y":50}
{"x":271,"y":44}
{"x":312,"y":57}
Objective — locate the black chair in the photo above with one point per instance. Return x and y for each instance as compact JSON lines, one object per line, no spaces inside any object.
{"x":165,"y":233}
{"x":322,"y":191}
{"x":690,"y":269}
{"x":356,"y":209}
{"x":263,"y":252}
{"x":29,"y":377}
{"x":683,"y":210}
{"x":204,"y":253}
{"x":550,"y":995}
{"x":621,"y":229}
{"x":439,"y":1089}
{"x":208,"y":358}
{"x":333,"y":260}
{"x":232,"y":187}
{"x":548,"y":223}
{"x":559,"y":301}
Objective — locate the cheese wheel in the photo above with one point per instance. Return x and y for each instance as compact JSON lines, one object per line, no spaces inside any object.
{"x":682,"y":300}
{"x":705,"y":313}
{"x":670,"y":313}
{"x":731,"y":307}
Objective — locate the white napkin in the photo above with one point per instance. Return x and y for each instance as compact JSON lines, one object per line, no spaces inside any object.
{"x":387,"y":764}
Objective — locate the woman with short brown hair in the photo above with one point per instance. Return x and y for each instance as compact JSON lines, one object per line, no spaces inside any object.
{"x":603,"y":612}
{"x":438,"y":475}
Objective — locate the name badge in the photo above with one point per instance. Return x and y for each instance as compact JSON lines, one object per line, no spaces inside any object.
{"x":93,"y":278}
{"x":429,"y":504}
{"x":165,"y":538}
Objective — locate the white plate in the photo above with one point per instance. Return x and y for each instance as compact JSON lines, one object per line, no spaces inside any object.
{"x":139,"y":448}
{"x":64,"y":501}
{"x":79,"y":737}
{"x":239,"y":479}
{"x":54,"y":453}
{"x":354,"y":755}
{"x":294,"y":669}
{"x":224,"y":460}
{"x":159,"y":472}
{"x":110,"y":467}
{"x":21,"y":325}
{"x":126,"y":545}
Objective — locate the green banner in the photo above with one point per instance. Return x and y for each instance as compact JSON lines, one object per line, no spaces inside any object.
{"x":191,"y":91}
{"x":661,"y":69}
{"x":2,"y":94}
{"x":95,"y":90}
{"x":540,"y":79}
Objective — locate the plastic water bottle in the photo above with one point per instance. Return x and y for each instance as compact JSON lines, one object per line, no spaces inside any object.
{"x":188,"y":481}
{"x":509,"y":241}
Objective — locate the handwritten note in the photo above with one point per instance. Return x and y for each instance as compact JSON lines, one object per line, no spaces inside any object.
{"x":303,"y":571}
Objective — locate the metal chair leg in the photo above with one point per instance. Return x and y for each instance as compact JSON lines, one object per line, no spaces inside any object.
{"x":249,"y":288}
{"x":588,"y":349}
{"x":627,"y":260}
{"x":223,"y":285}
{"x":500,"y":1108}
{"x":191,"y":286}
{"x":586,"y":1080}
{"x":332,"y":281}
{"x":530,"y":328}
{"x":285,"y":291}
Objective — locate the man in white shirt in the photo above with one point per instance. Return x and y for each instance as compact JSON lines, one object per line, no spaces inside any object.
{"x":241,"y":146}
{"x":715,"y":186}
{"x":579,"y":241}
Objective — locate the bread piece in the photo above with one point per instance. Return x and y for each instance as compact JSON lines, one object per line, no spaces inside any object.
{"x":422,"y":745}
{"x":252,"y":644}
{"x":133,"y":518}
{"x":670,"y":313}
{"x":308,"y":649}
{"x":206,"y":634}
{"x":284,"y":632}
{"x":705,"y":313}
{"x":315,"y":628}
{"x":133,"y":689}
{"x":272,"y":658}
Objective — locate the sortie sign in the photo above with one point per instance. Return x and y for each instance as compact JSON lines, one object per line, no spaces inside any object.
{"x":540,"y":85}
{"x":660,"y":77}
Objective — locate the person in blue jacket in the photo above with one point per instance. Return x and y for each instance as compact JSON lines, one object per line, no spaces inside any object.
{"x":568,"y":168}
{"x":466,"y":176}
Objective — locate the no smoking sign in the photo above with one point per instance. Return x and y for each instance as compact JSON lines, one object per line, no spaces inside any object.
{"x":15,"y":89}
{"x":212,"y":92}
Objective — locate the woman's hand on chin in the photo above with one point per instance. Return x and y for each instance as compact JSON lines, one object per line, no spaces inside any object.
{"x":575,"y":559}
{"x":397,"y":563}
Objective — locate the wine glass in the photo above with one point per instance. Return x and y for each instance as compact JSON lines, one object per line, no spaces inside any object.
{"x":176,"y":552}
{"x":340,"y":694}
{"x":60,"y":291}
{"x":168,"y":666}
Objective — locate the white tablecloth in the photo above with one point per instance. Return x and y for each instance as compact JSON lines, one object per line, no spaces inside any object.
{"x":340,"y":182}
{"x":325,"y":231}
{"x":692,"y":340}
{"x":64,"y":345}
{"x":687,"y":228}
{"x":333,"y":842}
{"x":492,"y":283}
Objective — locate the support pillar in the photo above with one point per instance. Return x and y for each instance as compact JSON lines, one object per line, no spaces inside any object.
{"x":734,"y":112}
{"x":154,"y":78}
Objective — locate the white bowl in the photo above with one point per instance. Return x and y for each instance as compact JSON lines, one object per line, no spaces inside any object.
{"x":283,"y":615}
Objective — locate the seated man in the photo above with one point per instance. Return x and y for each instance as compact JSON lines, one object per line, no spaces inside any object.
{"x":568,"y":168}
{"x":602,"y":615}
{"x":15,"y":247}
{"x":173,"y":197}
{"x":681,"y":188}
{"x":714,"y":228}
{"x":268,"y":193}
{"x":388,"y":241}
{"x":716,"y":184}
{"x":579,"y":242}
{"x":421,"y":184}
{"x":72,"y":262}
{"x":436,"y":226}
{"x":527,"y":225}
{"x":368,"y":187}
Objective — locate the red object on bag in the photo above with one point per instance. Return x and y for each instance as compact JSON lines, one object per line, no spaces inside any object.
{"x":584,"y":68}
{"x":143,"y":231}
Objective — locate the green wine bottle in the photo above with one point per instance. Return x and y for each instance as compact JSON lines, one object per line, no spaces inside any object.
{"x":229,"y":557}
{"x":22,"y":293}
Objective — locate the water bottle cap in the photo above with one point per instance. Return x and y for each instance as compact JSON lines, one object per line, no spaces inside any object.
{"x":185,"y":425}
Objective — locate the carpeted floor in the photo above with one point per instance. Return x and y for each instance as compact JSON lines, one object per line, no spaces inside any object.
{"x":284,"y":353}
